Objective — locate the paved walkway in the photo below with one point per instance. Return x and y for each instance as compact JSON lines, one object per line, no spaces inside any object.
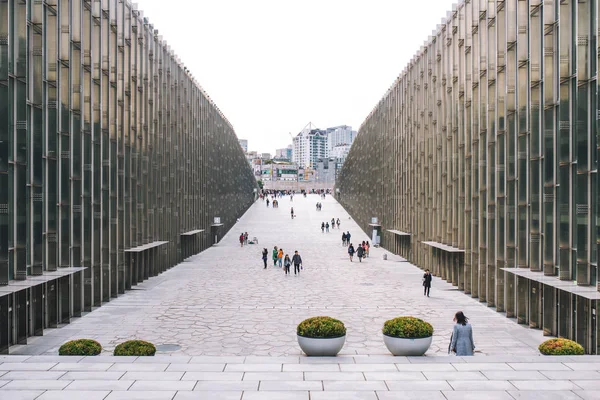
{"x":234,"y":324}
{"x":222,"y":302}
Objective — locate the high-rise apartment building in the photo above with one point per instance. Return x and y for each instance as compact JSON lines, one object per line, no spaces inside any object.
{"x":339,"y":136}
{"x":309,"y":145}
{"x":113,"y":160}
{"x":486,"y":154}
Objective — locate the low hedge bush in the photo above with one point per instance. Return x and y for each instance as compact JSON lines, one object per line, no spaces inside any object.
{"x":407,"y":327}
{"x":135,"y":348}
{"x":80,"y":347}
{"x":321,"y":327}
{"x":560,"y":347}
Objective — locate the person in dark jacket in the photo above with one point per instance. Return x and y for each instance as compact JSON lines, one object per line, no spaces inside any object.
{"x":265,"y":253}
{"x":297,"y":261}
{"x":351,"y":251}
{"x":344,"y":239}
{"x":348,"y":237}
{"x":426,"y":282}
{"x":322,"y":227}
{"x":360,"y":252}
{"x":286,"y":264}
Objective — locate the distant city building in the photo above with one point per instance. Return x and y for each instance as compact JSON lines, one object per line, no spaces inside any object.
{"x":309,"y":145}
{"x":279,"y":172}
{"x":338,"y":136}
{"x":340,"y":151}
{"x":244,"y":144}
{"x":285,"y":153}
{"x":266,"y":156}
{"x":326,"y":170}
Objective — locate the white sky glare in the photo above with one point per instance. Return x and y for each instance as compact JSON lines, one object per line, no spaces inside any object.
{"x":272,"y":66}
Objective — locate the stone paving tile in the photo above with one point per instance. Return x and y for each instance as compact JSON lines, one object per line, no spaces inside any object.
{"x":538,"y":367}
{"x":483,"y":367}
{"x":2,"y":383}
{"x":587,"y":385}
{"x":33,"y":375}
{"x":254,"y":367}
{"x":343,"y":395}
{"x":312,"y":367}
{"x":73,"y":395}
{"x":417,"y":385}
{"x":334,"y":376}
{"x":33,"y":384}
{"x":92,"y":375}
{"x":152,"y":376}
{"x":226,"y":395}
{"x":368,"y":368}
{"x":426,"y":367}
{"x":68,"y":366}
{"x":585,"y":366}
{"x":208,"y":311}
{"x":196,"y":367}
{"x":487,"y":395}
{"x":411,"y":395}
{"x":395,"y":376}
{"x":354,"y":385}
{"x":139,"y":367}
{"x":298,"y":395}
{"x":291,"y":385}
{"x":548,"y":385}
{"x":273,"y":376}
{"x":163,"y":385}
{"x":99,"y":385}
{"x":462,"y":376}
{"x":20,"y":394}
{"x":588,"y":395}
{"x":217,"y":360}
{"x":109,"y":359}
{"x":53,"y":359}
{"x":164,"y":359}
{"x":546,"y":395}
{"x":571,"y":375}
{"x":513,"y":375}
{"x":26,"y":366}
{"x":226,"y":385}
{"x":140,"y":395}
{"x":212,"y":376}
{"x":481,"y":385}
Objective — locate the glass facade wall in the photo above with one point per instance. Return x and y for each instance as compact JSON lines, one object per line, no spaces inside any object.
{"x":484,"y":154}
{"x":113,"y":160}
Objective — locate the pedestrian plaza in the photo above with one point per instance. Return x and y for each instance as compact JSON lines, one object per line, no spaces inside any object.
{"x":225,"y":329}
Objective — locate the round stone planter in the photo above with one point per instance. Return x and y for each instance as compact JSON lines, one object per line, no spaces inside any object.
{"x":328,"y":347}
{"x":407,"y":347}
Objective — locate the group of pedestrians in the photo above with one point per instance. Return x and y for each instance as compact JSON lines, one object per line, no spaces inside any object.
{"x":243,"y":239}
{"x":283,"y":261}
{"x":362,"y":251}
{"x":319,"y":206}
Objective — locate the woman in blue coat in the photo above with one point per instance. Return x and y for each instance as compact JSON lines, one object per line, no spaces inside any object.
{"x":461,"y":342}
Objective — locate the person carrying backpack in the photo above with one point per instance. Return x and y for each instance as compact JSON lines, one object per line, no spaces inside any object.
{"x":360,"y":252}
{"x":327,"y":227}
{"x":351,"y":251}
{"x":344,"y":239}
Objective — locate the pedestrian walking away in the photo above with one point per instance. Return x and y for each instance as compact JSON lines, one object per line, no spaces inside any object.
{"x":332,"y":223}
{"x":242,"y":240}
{"x":297,"y":261}
{"x":367,"y":249}
{"x":322,"y":227}
{"x":280,"y":258}
{"x":338,"y":223}
{"x":427,"y":277}
{"x":245,"y":238}
{"x":286,"y":264}
{"x":265,"y":254}
{"x":461,"y":341}
{"x":292,"y":212}
{"x":267,"y":203}
{"x":351,"y":251}
{"x":274,"y":255}
{"x":327,"y":227}
{"x":348,"y":236}
{"x":344,"y":239}
{"x":360,"y":252}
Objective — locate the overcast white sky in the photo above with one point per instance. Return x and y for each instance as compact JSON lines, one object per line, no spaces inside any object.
{"x":272,"y":66}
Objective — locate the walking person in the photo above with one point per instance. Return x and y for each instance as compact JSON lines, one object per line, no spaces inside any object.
{"x":367,"y":249}
{"x":338,"y":223}
{"x":274,"y":256}
{"x":267,"y":202}
{"x":322,"y":227}
{"x":246,"y":239}
{"x":332,"y":223}
{"x":242,"y":240}
{"x":427,"y":277}
{"x":348,"y":237}
{"x":292,"y":212}
{"x":265,"y":254}
{"x":327,"y":227}
{"x":297,"y":261}
{"x":286,"y":264}
{"x":351,"y":251}
{"x":461,"y":342}
{"x":360,"y":252}
{"x":344,"y":239}
{"x":280,"y":258}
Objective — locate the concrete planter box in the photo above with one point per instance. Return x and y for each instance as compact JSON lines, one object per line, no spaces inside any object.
{"x":329,"y":347}
{"x":406,"y":346}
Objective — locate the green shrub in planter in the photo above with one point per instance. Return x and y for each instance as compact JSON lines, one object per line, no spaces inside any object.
{"x":80,"y":347}
{"x":321,"y":327}
{"x":135,"y":348}
{"x":560,"y":347}
{"x":407,"y":327}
